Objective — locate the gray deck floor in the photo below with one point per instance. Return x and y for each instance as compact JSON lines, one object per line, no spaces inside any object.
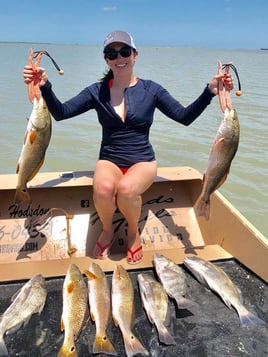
{"x":211,"y":330}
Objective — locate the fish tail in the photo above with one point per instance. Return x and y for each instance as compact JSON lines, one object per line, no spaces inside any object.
{"x":133,"y":346}
{"x":248,"y":319}
{"x":165,"y":337}
{"x":69,"y":351}
{"x":203,"y":209}
{"x":102,"y":344}
{"x":184,"y":303}
{"x":22,"y":195}
{"x":3,"y":349}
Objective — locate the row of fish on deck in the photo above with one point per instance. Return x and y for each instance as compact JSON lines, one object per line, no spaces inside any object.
{"x":100,"y":303}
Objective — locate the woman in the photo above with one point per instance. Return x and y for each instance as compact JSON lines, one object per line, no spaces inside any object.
{"x":125,"y":105}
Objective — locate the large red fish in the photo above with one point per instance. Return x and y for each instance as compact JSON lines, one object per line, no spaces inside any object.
{"x":36,"y":141}
{"x":221,"y":155}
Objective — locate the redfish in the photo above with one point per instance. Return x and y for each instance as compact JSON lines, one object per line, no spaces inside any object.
{"x":75,"y":311}
{"x":221,"y":155}
{"x":36,"y":141}
{"x":100,"y":308}
{"x":123,"y":310}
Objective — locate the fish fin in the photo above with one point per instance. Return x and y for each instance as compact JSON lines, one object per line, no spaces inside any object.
{"x":17,"y":167}
{"x":25,"y":323}
{"x":225,"y":300}
{"x":36,"y":169}
{"x":25,"y":137}
{"x":16,"y":327}
{"x":115,"y":321}
{"x":248,"y":319}
{"x":133,"y":346}
{"x":102,"y":344}
{"x":13,"y":297}
{"x":219,"y":141}
{"x":62,"y":327}
{"x":23,"y":292}
{"x":70,"y":287}
{"x":204,"y":177}
{"x":90,"y":275}
{"x":41,"y":308}
{"x":22,"y":195}
{"x":148,"y":314}
{"x":203,"y":209}
{"x":167,"y":321}
{"x":223,"y":179}
{"x":165,"y":336}
{"x":239,"y":292}
{"x":3,"y":348}
{"x":117,"y":272}
{"x":92,"y":316}
{"x":32,"y":136}
{"x":184,"y":303}
{"x":133,"y":316}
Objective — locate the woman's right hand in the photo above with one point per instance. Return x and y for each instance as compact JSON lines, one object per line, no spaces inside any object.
{"x":37,"y":75}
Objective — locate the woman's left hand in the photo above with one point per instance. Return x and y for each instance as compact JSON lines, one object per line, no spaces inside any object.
{"x":227,"y":81}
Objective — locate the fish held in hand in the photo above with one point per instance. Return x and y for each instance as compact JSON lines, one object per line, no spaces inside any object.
{"x":36,"y":141}
{"x":218,"y":281}
{"x":155,"y":303}
{"x":75,"y":311}
{"x":123,"y":310}
{"x":173,"y":280}
{"x":100,"y":308}
{"x":30,"y":299}
{"x":221,"y":155}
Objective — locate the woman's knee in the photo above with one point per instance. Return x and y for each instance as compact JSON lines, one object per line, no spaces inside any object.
{"x":125,"y":189}
{"x":104,"y":189}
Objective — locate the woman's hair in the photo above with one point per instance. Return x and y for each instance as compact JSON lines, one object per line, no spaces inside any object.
{"x":107,"y":75}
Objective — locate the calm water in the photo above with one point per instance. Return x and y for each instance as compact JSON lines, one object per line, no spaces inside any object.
{"x":184,"y":72}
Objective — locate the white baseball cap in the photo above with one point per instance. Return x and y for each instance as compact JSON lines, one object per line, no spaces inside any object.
{"x":119,"y":36}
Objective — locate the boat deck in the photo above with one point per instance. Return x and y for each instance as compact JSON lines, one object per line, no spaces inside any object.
{"x":211,"y":329}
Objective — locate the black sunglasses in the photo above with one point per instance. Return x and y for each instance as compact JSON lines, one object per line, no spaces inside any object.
{"x":112,"y":54}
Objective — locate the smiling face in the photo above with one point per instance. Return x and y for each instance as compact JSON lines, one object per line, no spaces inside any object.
{"x":125,"y":58}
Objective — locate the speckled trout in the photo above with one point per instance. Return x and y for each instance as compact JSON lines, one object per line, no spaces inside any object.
{"x":123,"y":310}
{"x":75,"y":311}
{"x":30,"y":299}
{"x":220,"y":158}
{"x":100,"y":308}
{"x":217,"y":280}
{"x":36,"y":141}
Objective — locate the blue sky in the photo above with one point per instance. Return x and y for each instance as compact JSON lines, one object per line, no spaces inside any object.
{"x":180,"y":23}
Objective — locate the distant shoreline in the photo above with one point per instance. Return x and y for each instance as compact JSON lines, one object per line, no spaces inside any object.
{"x":98,"y":44}
{"x":26,"y":42}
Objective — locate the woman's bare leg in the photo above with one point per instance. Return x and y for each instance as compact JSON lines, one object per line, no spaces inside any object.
{"x":136,"y":180}
{"x":106,"y":178}
{"x":112,"y":189}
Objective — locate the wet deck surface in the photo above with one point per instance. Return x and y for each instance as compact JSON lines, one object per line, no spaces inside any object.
{"x":210,"y":330}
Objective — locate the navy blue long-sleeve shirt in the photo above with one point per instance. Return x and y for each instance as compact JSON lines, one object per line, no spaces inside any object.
{"x":126,"y":142}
